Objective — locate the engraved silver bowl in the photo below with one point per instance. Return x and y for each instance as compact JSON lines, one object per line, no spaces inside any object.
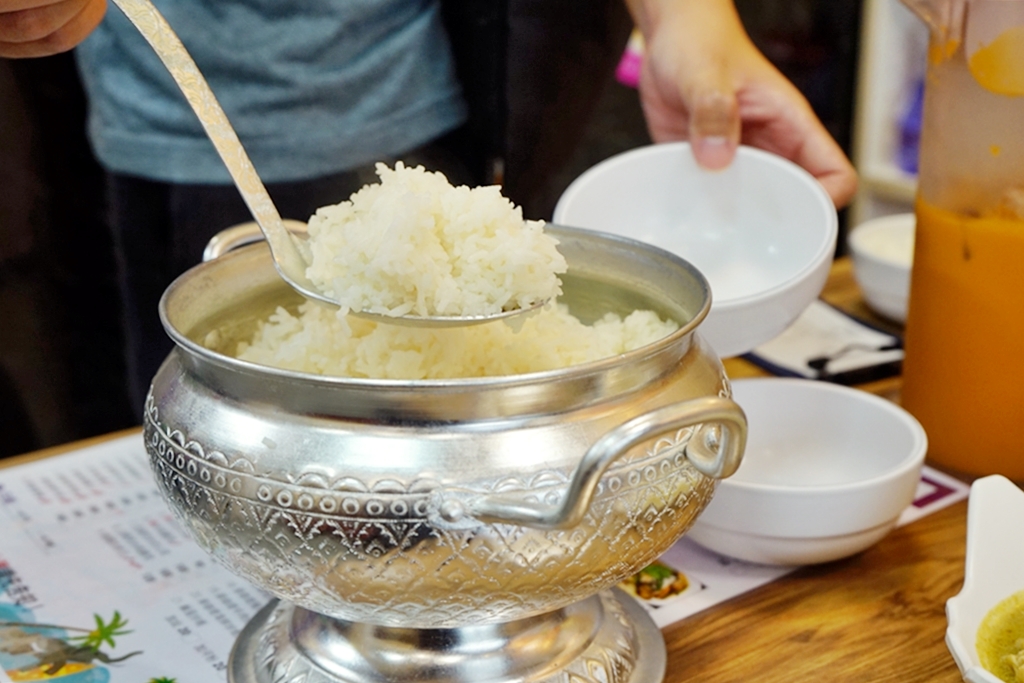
{"x":444,"y":530}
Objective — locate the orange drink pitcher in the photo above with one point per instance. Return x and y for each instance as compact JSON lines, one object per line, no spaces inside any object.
{"x":963,"y":372}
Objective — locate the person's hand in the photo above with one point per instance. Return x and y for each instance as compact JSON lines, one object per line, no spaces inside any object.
{"x":37,"y":28}
{"x":703,"y":80}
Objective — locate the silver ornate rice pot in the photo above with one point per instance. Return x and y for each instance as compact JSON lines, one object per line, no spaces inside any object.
{"x":444,"y":530}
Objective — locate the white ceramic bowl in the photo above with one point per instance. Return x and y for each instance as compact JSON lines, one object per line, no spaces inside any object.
{"x":883,"y":253}
{"x":826,"y":473}
{"x":993,"y":570}
{"x":763,"y":231}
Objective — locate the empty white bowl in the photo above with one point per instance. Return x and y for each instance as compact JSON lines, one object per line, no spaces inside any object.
{"x":763,"y":231}
{"x":882,"y":250}
{"x":993,"y":570}
{"x":826,"y":473}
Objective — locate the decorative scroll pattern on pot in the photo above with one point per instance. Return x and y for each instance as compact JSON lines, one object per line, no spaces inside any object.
{"x":382,"y":554}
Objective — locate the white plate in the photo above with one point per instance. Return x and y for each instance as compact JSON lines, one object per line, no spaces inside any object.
{"x":763,"y":231}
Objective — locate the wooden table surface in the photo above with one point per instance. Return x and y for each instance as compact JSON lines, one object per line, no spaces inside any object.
{"x":878,"y":616}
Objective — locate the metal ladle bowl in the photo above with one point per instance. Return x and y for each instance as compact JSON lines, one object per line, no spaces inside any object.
{"x":289,"y":251}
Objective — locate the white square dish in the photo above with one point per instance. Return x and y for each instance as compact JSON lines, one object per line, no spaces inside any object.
{"x":993,"y":569}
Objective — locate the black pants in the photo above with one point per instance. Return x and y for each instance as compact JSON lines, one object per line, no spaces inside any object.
{"x":161,"y":229}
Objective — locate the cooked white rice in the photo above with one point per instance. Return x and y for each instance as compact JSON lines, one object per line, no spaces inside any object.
{"x":316,"y":341}
{"x":414,"y":243}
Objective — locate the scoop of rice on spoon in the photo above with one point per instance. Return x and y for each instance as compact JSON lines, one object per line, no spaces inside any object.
{"x":502,"y":280}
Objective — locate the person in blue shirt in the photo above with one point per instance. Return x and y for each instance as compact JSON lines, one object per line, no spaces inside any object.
{"x":319,"y":92}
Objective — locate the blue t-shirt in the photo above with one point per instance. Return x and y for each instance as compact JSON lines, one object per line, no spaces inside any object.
{"x":312,"y":87}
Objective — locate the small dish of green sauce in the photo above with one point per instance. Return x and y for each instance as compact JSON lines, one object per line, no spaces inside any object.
{"x":1000,"y":641}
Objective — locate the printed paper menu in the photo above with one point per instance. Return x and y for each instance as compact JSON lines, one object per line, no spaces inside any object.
{"x":99,"y":583}
{"x":706,"y":579}
{"x":90,"y":551}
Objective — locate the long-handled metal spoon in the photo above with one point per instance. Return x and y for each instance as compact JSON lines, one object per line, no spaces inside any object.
{"x":290,"y":254}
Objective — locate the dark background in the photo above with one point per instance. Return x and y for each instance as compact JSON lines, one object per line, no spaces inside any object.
{"x":61,"y":372}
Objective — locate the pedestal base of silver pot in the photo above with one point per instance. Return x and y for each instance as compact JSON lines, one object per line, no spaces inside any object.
{"x":607,"y":638}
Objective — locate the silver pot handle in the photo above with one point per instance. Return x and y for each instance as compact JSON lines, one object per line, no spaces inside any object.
{"x":241,"y":235}
{"x":715,"y":449}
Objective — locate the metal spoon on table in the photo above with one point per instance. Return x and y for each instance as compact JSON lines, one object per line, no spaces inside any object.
{"x":290,"y":253}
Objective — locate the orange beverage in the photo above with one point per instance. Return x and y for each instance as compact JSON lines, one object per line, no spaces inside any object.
{"x":963,"y":371}
{"x":964,"y":366}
